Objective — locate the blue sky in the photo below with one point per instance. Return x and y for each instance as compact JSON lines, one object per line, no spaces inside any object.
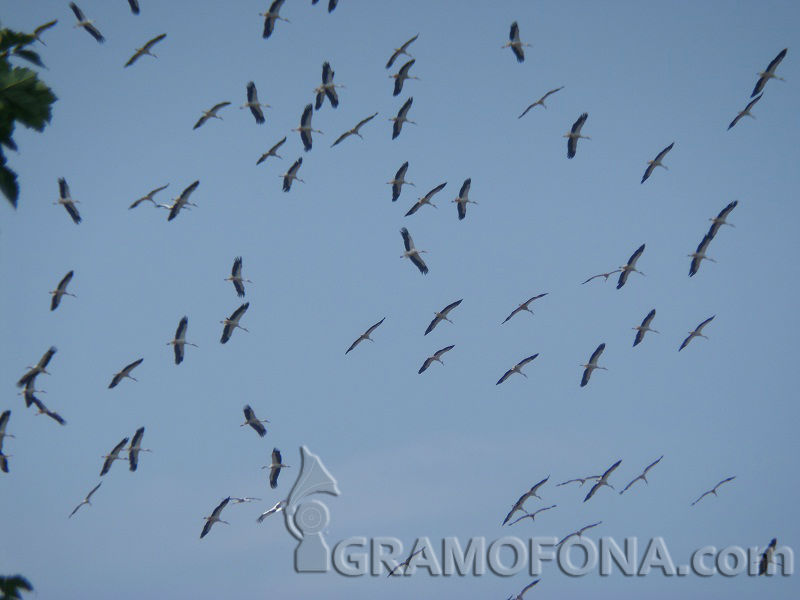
{"x":447,"y":452}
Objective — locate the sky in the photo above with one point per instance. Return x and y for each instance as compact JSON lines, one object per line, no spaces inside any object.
{"x":447,"y":452}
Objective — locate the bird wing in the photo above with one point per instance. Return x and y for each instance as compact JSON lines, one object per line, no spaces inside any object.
{"x":134,"y":4}
{"x":407,"y":241}
{"x":419,"y":263}
{"x":132,"y":366}
{"x":78,"y":12}
{"x":461,"y":207}
{"x":56,"y":417}
{"x":269,"y":26}
{"x":596,"y":354}
{"x":273,"y":477}
{"x":664,"y":152}
{"x":134,"y":58}
{"x":94,"y":32}
{"x":276,"y":146}
{"x":217,"y":106}
{"x":374,"y":327}
{"x":652,"y":464}
{"x":425,"y":365}
{"x":405,"y":108}
{"x":462,"y":193}
{"x":513,"y":312}
{"x":439,"y":353}
{"x":200,"y":121}
{"x":433,"y":324}
{"x":333,"y":97}
{"x":505,"y":376}
{"x":647,"y":172}
{"x":524,"y":362}
{"x":342,"y":137}
{"x":650,"y":316}
{"x":305,"y":136}
{"x":518,"y":52}
{"x":587,"y":373}
{"x":578,"y":124}
{"x":137,"y":438}
{"x":701,"y":497}
{"x":73,"y":212}
{"x":704,"y":323}
{"x":595,"y":487}
{"x":42,"y":28}
{"x":63,"y":188}
{"x":433,"y":192}
{"x":237,"y":314}
{"x":258,"y":426}
{"x":180,"y":332}
{"x":635,"y":256}
{"x":513,"y":34}
{"x":3,"y":422}
{"x":154,"y":41}
{"x":611,"y":469}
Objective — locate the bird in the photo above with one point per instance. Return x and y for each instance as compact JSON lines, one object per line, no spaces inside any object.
{"x":767,"y":557}
{"x":253,"y":104}
{"x":644,"y":327}
{"x":405,"y":563}
{"x":61,"y":290}
{"x":764,"y":76}
{"x":579,"y":533}
{"x":643,"y":475}
{"x":746,"y":112}
{"x":66,"y":200}
{"x":412,"y":253}
{"x":720,"y":219}
{"x":275,"y":468}
{"x":531,"y":493}
{"x":697,"y":332}
{"x":514,"y":42}
{"x":271,"y":16}
{"x":437,"y":356}
{"x":279,"y":506}
{"x":463,"y":199}
{"x":182,"y":200}
{"x":291,"y":174}
{"x":582,"y":480}
{"x":401,"y":50}
{"x":525,"y":589}
{"x":134,"y":4}
{"x":605,"y":275}
{"x":41,"y":409}
{"x":531,"y":516}
{"x":354,"y":130}
{"x":244,"y":500}
{"x":232,"y":323}
{"x":28,"y":394}
{"x":398,"y":181}
{"x":272,"y":151}
{"x":714,"y":489}
{"x":112,"y":456}
{"x":426,"y":199}
{"x":3,"y":424}
{"x":540,"y":101}
{"x":517,"y":368}
{"x":656,"y":162}
{"x":305,"y":128}
{"x":602,"y":481}
{"x":145,"y":49}
{"x":592,"y":364}
{"x":125,"y":372}
{"x":41,"y":29}
{"x":699,"y":255}
{"x":135,"y":448}
{"x":214,"y":518}
{"x":148,"y":197}
{"x":630,"y":267}
{"x":86,"y":500}
{"x":211,"y":113}
{"x":86,"y":24}
{"x":236,"y":277}
{"x":40,"y":367}
{"x":365,"y":335}
{"x":179,"y":341}
{"x":441,"y":316}
{"x":401,"y":118}
{"x":328,"y":88}
{"x":254,"y":422}
{"x":524,"y":307}
{"x":574,"y":134}
{"x":401,"y":76}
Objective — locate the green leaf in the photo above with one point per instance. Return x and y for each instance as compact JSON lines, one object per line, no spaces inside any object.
{"x":11,"y":586}
{"x":25,"y":97}
{"x":8,"y":183}
{"x":10,"y":39}
{"x":29,"y":55}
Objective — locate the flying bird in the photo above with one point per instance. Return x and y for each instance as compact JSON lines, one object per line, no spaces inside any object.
{"x":514,"y":42}
{"x":405,"y":563}
{"x":61,"y":290}
{"x":644,"y":327}
{"x":40,"y":367}
{"x":135,"y":448}
{"x":134,"y":4}
{"x":442,"y":316}
{"x":604,"y":275}
{"x":272,"y":152}
{"x":275,"y":468}
{"x":305,"y":128}
{"x":232,"y":323}
{"x":354,"y":130}
{"x":271,"y":16}
{"x":179,"y":341}
{"x":518,"y":505}
{"x":148,"y":197}
{"x":401,"y":50}
{"x":699,"y":255}
{"x":399,"y":180}
{"x":145,"y":49}
{"x":643,"y":475}
{"x":244,"y":500}
{"x":86,"y":500}
{"x":540,"y":101}
{"x":579,"y":533}
{"x":125,"y":372}
{"x":697,"y":332}
{"x":602,"y":481}
{"x":401,"y":76}
{"x":112,"y":456}
{"x":714,"y":489}
{"x":182,"y":201}
{"x":328,"y":88}
{"x":3,"y":424}
{"x":66,"y":200}
{"x":28,"y":394}
{"x":41,"y":29}
{"x":720,"y":219}
{"x":463,"y":199}
{"x":574,"y":134}
{"x":525,"y":589}
{"x":582,"y":480}
{"x":656,"y":162}
{"x":746,"y":112}
{"x":524,"y":307}
{"x":251,"y":419}
{"x":531,"y":516}
{"x":253,"y":104}
{"x":236,"y":277}
{"x":291,"y":174}
{"x":211,"y":113}
{"x":279,"y":506}
{"x":592,"y":364}
{"x":630,"y":267}
{"x":517,"y":368}
{"x":437,"y":357}
{"x":365,"y":335}
{"x":767,"y":557}
{"x":214,"y":518}
{"x":41,"y":409}
{"x":426,"y":199}
{"x":402,"y":117}
{"x":764,"y":76}
{"x":412,"y":253}
{"x":87,"y":24}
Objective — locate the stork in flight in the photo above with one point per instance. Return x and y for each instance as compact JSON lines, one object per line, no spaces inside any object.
{"x":135,"y":448}
{"x":278,"y":506}
{"x":328,"y":88}
{"x":518,"y":505}
{"x":291,"y":174}
{"x":435,"y":357}
{"x":401,"y":50}
{"x":272,"y":152}
{"x":86,"y":500}
{"x":720,"y":219}
{"x":630,"y":267}
{"x":244,"y":500}
{"x":402,"y":117}
{"x":251,"y":419}
{"x":365,"y":335}
{"x":65,"y":199}
{"x":440,"y":316}
{"x":582,"y":480}
{"x":764,"y":76}
{"x":696,"y":332}
{"x":182,"y":201}
{"x":426,"y":199}
{"x":592,"y":364}
{"x":517,"y":368}
{"x":28,"y":394}
{"x":305,"y":128}
{"x":714,"y":489}
{"x":767,"y":557}
{"x":656,"y":162}
{"x":540,"y":101}
{"x":699,"y":255}
{"x":211,"y":113}
{"x":412,"y":253}
{"x":40,"y":367}
{"x":405,"y":563}
{"x":61,"y":290}
{"x":354,"y":130}
{"x":463,"y":199}
{"x":271,"y":16}
{"x":401,"y":76}
{"x":89,"y":25}
{"x":604,"y":275}
{"x":275,"y":468}
{"x":145,"y":50}
{"x":112,"y":456}
{"x":399,"y":180}
{"x":531,"y":516}
{"x":514,"y":42}
{"x":232,"y":323}
{"x":214,"y":517}
{"x":148,"y":197}
{"x":236,"y":277}
{"x":3,"y":424}
{"x":41,"y":409}
{"x":574,"y":134}
{"x":644,"y":327}
{"x":125,"y":372}
{"x":179,"y":341}
{"x":525,"y":589}
{"x":524,"y":306}
{"x":643,"y":475}
{"x":253,"y":104}
{"x":579,"y":533}
{"x":746,"y":112}
{"x":602,"y":481}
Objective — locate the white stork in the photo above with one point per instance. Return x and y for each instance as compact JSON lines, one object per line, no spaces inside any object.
{"x":272,"y":152}
{"x":579,"y":533}
{"x":275,"y":467}
{"x":463,"y":199}
{"x":514,"y":42}
{"x":253,"y":104}
{"x":61,"y":290}
{"x":426,"y":199}
{"x":442,"y":316}
{"x":66,"y":200}
{"x":148,"y":197}
{"x":531,"y":493}
{"x":271,"y":16}
{"x":135,"y":448}
{"x":112,"y":456}
{"x":3,"y":424}
{"x":244,"y":500}
{"x":401,"y":76}
{"x":251,"y":419}
{"x":232,"y":323}
{"x":398,"y":181}
{"x":214,"y":517}
{"x":720,"y":219}
{"x":41,"y":409}
{"x":644,"y":327}
{"x":236,"y":277}
{"x":182,"y":201}
{"x":86,"y":500}
{"x":125,"y":372}
{"x":211,"y":113}
{"x":365,"y":335}
{"x":531,"y":516}
{"x":574,"y":134}
{"x":401,"y":50}
{"x":305,"y":128}
{"x":697,"y":332}
{"x":604,"y":275}
{"x":402,"y":117}
{"x":179,"y":341}
{"x":28,"y":395}
{"x":592,"y":364}
{"x":767,"y":557}
{"x":41,"y":29}
{"x":412,"y":253}
{"x":328,"y":88}
{"x":699,"y":255}
{"x":582,"y":480}
{"x":602,"y":481}
{"x":435,"y":357}
{"x":714,"y":489}
{"x":89,"y":25}
{"x":630,"y":267}
{"x":643,"y":475}
{"x":525,"y":589}
{"x":764,"y":76}
{"x":40,"y":367}
{"x":656,"y":162}
{"x":517,"y":368}
{"x":405,"y":563}
{"x":746,"y":112}
{"x":291,"y":174}
{"x":524,"y":306}
{"x":540,"y":101}
{"x":145,"y":49}
{"x":355,"y":130}
{"x":279,"y":506}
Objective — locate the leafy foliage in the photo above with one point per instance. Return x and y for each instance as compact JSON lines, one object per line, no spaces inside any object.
{"x":12,"y":586}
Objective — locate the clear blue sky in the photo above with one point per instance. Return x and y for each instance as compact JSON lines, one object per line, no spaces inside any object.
{"x":442,"y":453}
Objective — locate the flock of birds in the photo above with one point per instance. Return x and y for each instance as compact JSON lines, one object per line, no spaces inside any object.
{"x":130,"y":449}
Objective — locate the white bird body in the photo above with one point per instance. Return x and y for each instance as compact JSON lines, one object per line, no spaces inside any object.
{"x":279,"y":506}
